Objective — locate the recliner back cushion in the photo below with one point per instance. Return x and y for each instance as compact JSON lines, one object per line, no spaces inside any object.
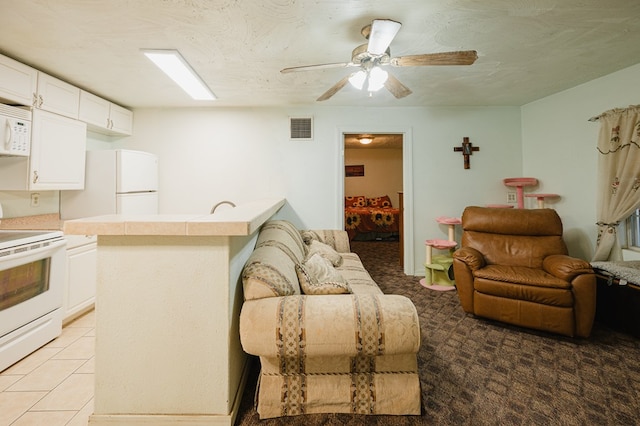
{"x":515,"y":237}
{"x":532,"y":222}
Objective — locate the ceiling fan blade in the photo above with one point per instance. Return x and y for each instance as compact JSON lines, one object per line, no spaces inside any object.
{"x":466,"y":57}
{"x":334,"y":89}
{"x":396,"y":88}
{"x":382,"y":33}
{"x":319,"y":67}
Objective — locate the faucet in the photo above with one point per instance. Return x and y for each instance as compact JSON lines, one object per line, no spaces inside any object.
{"x":213,"y":209}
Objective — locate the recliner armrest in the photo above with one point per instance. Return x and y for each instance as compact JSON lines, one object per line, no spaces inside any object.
{"x":471,"y":257}
{"x":566,"y":267}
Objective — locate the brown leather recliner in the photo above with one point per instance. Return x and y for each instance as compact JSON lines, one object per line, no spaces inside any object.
{"x":513,"y":267}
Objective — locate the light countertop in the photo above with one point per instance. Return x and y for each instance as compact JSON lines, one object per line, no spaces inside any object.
{"x":50,"y":221}
{"x":242,"y":220}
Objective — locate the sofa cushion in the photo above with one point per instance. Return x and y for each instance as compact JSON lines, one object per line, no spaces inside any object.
{"x":269,"y":272}
{"x":357,"y":277}
{"x":338,"y":239}
{"x":324,"y":250}
{"x":318,"y":276}
{"x":285,"y":236}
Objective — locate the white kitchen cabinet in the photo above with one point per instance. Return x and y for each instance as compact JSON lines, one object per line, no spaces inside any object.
{"x":121,"y":120}
{"x":57,"y":160}
{"x":17,"y":82}
{"x":57,"y":96}
{"x":58,"y":151}
{"x":80,"y":290}
{"x":104,"y":116}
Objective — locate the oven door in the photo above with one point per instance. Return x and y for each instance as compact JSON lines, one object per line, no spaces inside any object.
{"x":31,"y":284}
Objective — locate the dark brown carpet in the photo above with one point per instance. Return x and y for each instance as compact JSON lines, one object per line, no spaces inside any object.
{"x":478,"y":372}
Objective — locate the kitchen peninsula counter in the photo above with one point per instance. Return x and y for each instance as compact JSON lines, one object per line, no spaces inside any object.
{"x":242,"y":220}
{"x":167,"y":311}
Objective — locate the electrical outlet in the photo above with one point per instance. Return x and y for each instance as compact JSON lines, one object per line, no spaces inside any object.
{"x":35,"y":199}
{"x":511,"y":197}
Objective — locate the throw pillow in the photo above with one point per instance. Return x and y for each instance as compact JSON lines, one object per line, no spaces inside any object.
{"x":308,"y":236}
{"x":325,"y":251}
{"x":355,"y":201}
{"x":318,"y":276}
{"x":379,"y":202}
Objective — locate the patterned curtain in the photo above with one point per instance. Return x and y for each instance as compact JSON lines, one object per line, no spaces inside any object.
{"x":618,"y":176}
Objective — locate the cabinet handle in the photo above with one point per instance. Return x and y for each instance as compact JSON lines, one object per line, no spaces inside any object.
{"x":35,"y":176}
{"x":35,"y":100}
{"x":41,"y":101}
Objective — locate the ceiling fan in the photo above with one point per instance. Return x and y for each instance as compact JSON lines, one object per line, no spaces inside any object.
{"x":372,"y":56}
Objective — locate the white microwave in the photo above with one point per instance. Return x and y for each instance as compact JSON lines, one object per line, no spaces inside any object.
{"x":15,"y":128}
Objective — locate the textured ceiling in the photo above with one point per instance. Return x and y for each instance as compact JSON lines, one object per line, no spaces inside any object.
{"x":527,"y":49}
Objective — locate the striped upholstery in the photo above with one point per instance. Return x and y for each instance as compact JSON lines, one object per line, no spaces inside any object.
{"x":351,"y":353}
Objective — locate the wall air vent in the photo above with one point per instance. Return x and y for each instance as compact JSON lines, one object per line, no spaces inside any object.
{"x":301,"y":128}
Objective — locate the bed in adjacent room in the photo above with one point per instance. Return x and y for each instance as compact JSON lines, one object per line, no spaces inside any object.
{"x":371,"y":218}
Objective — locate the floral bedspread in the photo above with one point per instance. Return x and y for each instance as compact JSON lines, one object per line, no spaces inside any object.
{"x":369,"y":219}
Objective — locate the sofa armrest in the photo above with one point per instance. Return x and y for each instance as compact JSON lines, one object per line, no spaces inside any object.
{"x":565,"y":267}
{"x":338,"y":239}
{"x":329,"y":325}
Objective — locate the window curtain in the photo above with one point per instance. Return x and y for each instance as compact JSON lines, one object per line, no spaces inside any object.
{"x":618,"y":176}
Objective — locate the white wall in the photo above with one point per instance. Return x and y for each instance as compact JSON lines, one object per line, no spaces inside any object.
{"x":382,"y":173}
{"x":209,"y":155}
{"x":559,"y":148}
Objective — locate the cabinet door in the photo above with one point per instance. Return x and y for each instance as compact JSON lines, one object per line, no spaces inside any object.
{"x":81,"y":279}
{"x":57,"y":96}
{"x":58,"y":152}
{"x":121,"y":120}
{"x":94,"y":110}
{"x":17,"y":81}
{"x":103,"y":116}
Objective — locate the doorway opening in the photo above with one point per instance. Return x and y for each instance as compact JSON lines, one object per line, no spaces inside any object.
{"x":377,"y":188}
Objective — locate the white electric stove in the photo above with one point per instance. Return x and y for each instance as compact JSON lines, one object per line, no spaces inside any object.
{"x":32,"y":274}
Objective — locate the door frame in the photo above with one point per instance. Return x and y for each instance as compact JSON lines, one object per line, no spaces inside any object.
{"x":407,"y":181}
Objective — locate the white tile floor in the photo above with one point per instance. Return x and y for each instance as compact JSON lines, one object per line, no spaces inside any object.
{"x":54,"y":385}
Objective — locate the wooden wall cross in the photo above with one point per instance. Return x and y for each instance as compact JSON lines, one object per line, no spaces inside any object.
{"x":467,"y":149}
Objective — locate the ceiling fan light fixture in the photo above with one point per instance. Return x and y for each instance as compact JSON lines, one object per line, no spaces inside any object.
{"x":382,"y":32}
{"x":377,"y":78}
{"x":177,"y":68}
{"x":357,"y":79}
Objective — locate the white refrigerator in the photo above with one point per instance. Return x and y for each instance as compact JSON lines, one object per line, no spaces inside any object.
{"x":117,"y":181}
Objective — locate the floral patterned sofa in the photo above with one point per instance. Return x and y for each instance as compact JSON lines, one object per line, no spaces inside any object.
{"x":328,"y":339}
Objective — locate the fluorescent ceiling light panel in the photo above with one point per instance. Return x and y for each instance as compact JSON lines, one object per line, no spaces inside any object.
{"x":174,"y":65}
